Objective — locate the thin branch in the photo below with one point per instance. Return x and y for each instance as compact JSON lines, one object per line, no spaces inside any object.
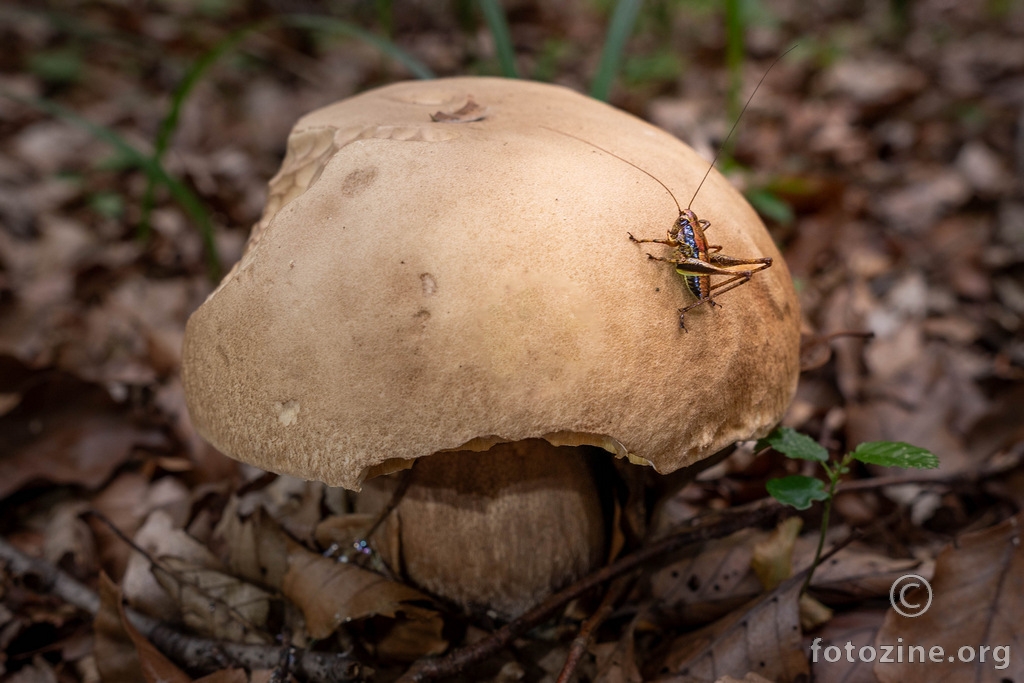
{"x":582,"y":640}
{"x":201,"y":654}
{"x":396,"y":498}
{"x":764,"y":511}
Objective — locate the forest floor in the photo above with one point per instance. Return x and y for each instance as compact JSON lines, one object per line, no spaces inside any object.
{"x":886,"y":154}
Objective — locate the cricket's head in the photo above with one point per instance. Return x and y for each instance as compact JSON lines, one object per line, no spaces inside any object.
{"x":687,"y":218}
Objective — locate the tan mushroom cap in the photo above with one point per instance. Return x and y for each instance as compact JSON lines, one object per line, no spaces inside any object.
{"x":416,"y":286}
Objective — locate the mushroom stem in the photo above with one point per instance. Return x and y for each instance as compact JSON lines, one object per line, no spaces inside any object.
{"x":498,"y":530}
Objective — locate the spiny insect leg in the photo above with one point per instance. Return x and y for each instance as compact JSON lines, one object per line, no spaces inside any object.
{"x":700,"y":302}
{"x":694,"y":266}
{"x":656,"y":241}
{"x":729,"y":261}
{"x":701,"y":268}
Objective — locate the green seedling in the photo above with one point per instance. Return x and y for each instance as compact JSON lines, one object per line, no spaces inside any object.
{"x":801,"y":492}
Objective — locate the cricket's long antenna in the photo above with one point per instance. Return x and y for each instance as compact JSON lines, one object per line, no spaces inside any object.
{"x":613,"y":154}
{"x":736,"y":123}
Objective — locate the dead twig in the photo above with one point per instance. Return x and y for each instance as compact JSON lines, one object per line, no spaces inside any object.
{"x":396,"y":498}
{"x":579,"y":644}
{"x":201,"y":654}
{"x":764,"y":511}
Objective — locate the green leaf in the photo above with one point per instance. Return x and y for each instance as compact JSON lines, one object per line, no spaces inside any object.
{"x":771,"y":206}
{"x":795,"y":445}
{"x":895,"y":454}
{"x":797,"y":491}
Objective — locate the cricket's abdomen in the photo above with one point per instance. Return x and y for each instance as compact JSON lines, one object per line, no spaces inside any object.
{"x":693,"y":245}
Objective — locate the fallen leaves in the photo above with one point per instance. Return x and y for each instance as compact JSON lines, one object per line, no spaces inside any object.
{"x":978,"y":597}
{"x":332,"y":593}
{"x":763,"y":638}
{"x":66,"y":431}
{"x":907,"y":221}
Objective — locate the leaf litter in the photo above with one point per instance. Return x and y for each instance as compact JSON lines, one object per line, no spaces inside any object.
{"x":906,"y":223}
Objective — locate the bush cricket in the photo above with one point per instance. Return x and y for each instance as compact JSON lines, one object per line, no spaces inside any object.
{"x":694,"y":259}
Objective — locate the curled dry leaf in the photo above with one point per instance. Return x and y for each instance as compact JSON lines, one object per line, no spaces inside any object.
{"x":216,"y":604}
{"x":772,"y":560}
{"x":293,"y":503}
{"x":253,"y":547}
{"x":977,"y":600}
{"x":126,"y":502}
{"x":116,"y":657}
{"x":330,"y":593}
{"x":160,"y":538}
{"x":763,"y":637}
{"x":131,"y":656}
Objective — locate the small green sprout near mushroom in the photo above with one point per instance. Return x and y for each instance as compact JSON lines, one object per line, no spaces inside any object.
{"x":466,"y":293}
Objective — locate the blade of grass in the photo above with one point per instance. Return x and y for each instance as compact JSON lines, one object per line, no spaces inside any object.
{"x":170,"y":121}
{"x":735,"y":28}
{"x":619,"y":29}
{"x":321,"y":23}
{"x":186,"y":198}
{"x":202,"y":65}
{"x":494,"y":15}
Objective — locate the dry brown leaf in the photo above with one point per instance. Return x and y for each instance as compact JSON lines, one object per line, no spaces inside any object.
{"x":126,"y":502}
{"x":977,"y":601}
{"x":772,"y":560}
{"x":707,"y":585}
{"x":116,"y":656}
{"x":616,"y":662}
{"x":155,"y":666}
{"x":419,"y":635}
{"x":855,"y":572}
{"x":216,"y":604}
{"x":330,"y":593}
{"x":254,"y":548}
{"x":160,"y":538}
{"x":763,"y":637}
{"x":67,"y":431}
{"x":342,"y":531}
{"x":858,"y":628}
{"x":292,"y":503}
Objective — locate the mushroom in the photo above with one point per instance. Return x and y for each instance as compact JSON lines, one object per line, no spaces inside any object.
{"x":466,"y":290}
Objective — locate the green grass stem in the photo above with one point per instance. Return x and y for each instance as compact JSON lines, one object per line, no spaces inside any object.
{"x":494,"y":15}
{"x":619,"y":29}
